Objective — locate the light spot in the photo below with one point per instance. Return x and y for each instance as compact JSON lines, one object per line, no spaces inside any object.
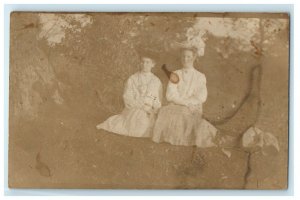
{"x":57,"y":97}
{"x":54,"y":26}
{"x":226,"y":152}
{"x":254,"y":137}
{"x":242,"y":30}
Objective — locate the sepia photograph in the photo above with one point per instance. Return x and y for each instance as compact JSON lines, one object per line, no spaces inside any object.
{"x":158,"y":100}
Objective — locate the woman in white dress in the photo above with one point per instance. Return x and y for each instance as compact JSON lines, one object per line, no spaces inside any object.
{"x":181,"y":122}
{"x":142,"y":97}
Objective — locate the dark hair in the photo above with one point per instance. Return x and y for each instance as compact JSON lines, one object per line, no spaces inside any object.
{"x":192,"y":49}
{"x":146,"y":56}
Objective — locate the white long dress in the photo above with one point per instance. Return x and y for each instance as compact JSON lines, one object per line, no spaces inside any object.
{"x":181,"y":122}
{"x":142,"y":98}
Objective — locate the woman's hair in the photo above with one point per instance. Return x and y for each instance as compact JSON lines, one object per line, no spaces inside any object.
{"x":192,"y":49}
{"x":149,"y":57}
{"x":144,"y":52}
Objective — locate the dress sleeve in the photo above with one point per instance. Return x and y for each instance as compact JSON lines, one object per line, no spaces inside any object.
{"x":173,"y":95}
{"x":158,"y":97}
{"x":200,"y":93}
{"x":129,"y":95}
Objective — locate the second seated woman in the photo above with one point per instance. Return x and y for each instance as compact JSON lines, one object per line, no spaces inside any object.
{"x":181,"y":122}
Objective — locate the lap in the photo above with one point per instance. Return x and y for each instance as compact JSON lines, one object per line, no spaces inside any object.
{"x":175,"y":124}
{"x":173,"y":109}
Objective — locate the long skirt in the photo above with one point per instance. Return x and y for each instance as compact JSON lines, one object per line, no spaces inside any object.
{"x":177,"y":125}
{"x":131,"y":122}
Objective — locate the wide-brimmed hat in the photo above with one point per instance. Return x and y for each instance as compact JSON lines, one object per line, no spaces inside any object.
{"x":185,"y":46}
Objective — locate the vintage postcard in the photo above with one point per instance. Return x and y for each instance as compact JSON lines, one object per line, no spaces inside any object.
{"x":148,"y":100}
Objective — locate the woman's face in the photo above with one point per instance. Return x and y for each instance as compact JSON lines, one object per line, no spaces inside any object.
{"x":146,"y":64}
{"x":187,"y":58}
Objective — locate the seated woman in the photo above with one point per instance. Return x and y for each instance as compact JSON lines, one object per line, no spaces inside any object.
{"x":181,"y":122}
{"x":142,"y":98}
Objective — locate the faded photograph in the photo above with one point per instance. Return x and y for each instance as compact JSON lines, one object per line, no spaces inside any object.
{"x":149,"y":100}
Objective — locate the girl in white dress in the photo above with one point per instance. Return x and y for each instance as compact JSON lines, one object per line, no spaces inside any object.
{"x":181,"y":122}
{"x":142,"y":97}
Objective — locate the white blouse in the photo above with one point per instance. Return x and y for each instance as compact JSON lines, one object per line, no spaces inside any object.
{"x":143,"y":89}
{"x":190,"y":90}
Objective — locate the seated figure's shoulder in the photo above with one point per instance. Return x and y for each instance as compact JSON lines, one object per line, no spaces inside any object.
{"x":200,"y":75}
{"x":132,"y":77}
{"x":156,"y":78}
{"x":178,"y":71}
{"x":156,"y":81}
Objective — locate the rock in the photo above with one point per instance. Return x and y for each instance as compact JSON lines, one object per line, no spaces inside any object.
{"x":254,"y":137}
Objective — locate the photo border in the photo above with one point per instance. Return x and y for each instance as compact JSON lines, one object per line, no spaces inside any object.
{"x":288,"y":8}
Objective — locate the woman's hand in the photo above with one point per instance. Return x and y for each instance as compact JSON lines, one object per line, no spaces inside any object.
{"x":156,"y":104}
{"x":149,"y":110}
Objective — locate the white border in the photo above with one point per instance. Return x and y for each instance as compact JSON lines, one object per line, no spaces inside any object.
{"x":119,"y":8}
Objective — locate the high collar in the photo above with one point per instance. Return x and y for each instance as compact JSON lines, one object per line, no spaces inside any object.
{"x":145,"y":73}
{"x":190,"y":69}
